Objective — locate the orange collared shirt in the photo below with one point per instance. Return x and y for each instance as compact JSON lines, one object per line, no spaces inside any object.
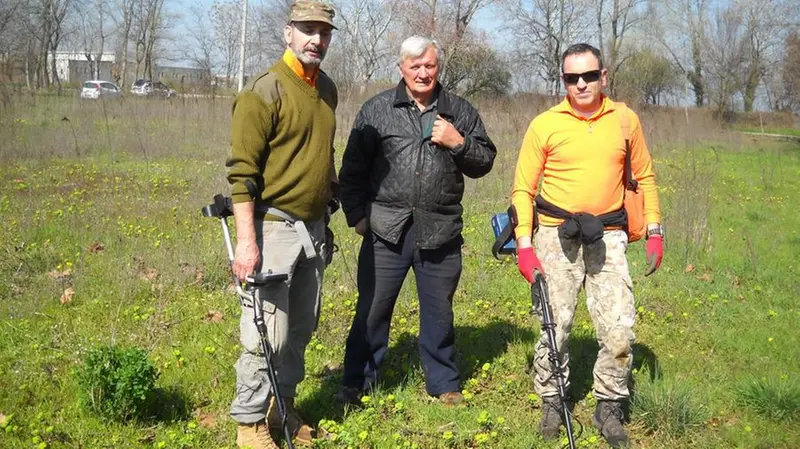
{"x":297,"y":67}
{"x":581,"y":162}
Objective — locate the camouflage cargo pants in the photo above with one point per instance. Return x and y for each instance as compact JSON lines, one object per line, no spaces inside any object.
{"x":602,"y":269}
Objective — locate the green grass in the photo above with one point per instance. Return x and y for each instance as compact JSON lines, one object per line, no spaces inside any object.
{"x":125,"y":233}
{"x":667,"y":408}
{"x":778,"y":400}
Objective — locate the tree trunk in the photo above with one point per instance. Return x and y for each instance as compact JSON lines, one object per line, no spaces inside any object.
{"x":28,"y":69}
{"x":696,"y":75}
{"x":99,"y":58}
{"x":126,"y":34}
{"x":53,"y":67}
{"x":600,"y":43}
{"x":751,"y":84}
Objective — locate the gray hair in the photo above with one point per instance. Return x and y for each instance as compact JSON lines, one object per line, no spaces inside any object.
{"x":416,"y":46}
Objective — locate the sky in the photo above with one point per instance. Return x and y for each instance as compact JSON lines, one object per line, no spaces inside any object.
{"x":485,"y":20}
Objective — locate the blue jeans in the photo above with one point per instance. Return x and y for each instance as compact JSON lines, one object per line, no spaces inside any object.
{"x":382,"y":268}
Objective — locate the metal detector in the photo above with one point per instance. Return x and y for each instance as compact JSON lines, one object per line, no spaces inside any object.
{"x":540,"y":297}
{"x":222,"y":208}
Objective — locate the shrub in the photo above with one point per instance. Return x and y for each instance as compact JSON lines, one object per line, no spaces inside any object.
{"x":117,"y":383}
{"x":777,"y":400}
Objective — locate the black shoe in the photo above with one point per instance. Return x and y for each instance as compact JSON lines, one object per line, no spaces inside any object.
{"x":551,"y":417}
{"x":348,"y":396}
{"x":608,"y":419}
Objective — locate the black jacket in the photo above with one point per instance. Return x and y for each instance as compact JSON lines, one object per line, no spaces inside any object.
{"x":390,"y":172}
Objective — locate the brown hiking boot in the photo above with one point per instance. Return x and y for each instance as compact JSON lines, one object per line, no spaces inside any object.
{"x":451,"y":398}
{"x":255,"y":436}
{"x":608,"y":419}
{"x":551,"y":417}
{"x":303,"y":433}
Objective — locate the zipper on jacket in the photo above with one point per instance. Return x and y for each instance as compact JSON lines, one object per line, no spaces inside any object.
{"x":416,"y":119}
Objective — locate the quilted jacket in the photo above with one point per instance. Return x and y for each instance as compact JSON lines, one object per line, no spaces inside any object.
{"x":392,"y":172}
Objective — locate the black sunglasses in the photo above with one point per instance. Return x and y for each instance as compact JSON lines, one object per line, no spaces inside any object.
{"x":588,"y":77}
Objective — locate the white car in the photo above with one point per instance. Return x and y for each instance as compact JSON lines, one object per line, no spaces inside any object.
{"x":94,"y":89}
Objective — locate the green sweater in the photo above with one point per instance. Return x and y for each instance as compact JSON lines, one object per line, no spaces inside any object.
{"x":282,"y":142}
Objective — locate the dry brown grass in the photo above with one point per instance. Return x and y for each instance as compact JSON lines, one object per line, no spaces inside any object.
{"x":198,"y":127}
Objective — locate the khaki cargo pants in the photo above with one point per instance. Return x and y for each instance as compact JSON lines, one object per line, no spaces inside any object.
{"x":602,"y":269}
{"x":291,"y":313}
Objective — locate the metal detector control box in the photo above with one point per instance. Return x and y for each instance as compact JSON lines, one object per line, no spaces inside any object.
{"x":499,"y":222}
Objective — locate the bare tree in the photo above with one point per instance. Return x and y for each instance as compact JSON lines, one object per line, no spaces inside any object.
{"x":52,"y":14}
{"x":479,"y":69}
{"x":226,"y":17}
{"x":200,"y":51}
{"x":544,"y":29}
{"x":683,"y":36}
{"x":364,"y":37}
{"x":43,"y":22}
{"x":648,"y":77}
{"x":10,"y":17}
{"x":726,"y":54}
{"x":94,"y":27}
{"x":766,"y":26}
{"x":148,"y":27}
{"x":265,"y":32}
{"x":448,"y":21}
{"x":124,"y":22}
{"x":8,"y":10}
{"x":790,"y":76}
{"x":619,"y":20}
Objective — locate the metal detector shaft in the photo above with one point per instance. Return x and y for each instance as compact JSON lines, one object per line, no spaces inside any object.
{"x":222,"y":209}
{"x":540,"y":292}
{"x":258,"y":318}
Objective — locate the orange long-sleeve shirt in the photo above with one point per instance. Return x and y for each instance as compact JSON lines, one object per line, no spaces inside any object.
{"x":582,"y":161}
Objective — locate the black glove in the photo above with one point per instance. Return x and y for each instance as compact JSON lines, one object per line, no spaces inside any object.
{"x":329,"y":247}
{"x":333,"y":204}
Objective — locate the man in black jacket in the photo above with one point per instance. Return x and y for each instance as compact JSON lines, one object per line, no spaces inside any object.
{"x":401,"y":184}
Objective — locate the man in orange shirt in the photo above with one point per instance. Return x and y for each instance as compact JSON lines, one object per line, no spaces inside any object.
{"x":578,"y":149}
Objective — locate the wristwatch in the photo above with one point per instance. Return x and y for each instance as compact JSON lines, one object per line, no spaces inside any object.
{"x":658,"y":230}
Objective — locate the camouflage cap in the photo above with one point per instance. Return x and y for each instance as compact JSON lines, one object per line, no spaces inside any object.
{"x":312,"y":11}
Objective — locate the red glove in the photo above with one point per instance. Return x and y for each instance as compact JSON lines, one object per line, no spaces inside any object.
{"x":527,"y":262}
{"x":655,"y":252}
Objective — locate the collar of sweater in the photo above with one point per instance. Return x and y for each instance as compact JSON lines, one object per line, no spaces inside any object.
{"x":309,"y":76}
{"x":291,"y":77}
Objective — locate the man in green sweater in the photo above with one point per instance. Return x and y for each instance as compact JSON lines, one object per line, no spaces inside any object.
{"x":283,"y":179}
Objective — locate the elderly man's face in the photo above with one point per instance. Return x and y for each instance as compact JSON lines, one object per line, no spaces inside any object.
{"x":308,"y":41}
{"x":420,"y":73}
{"x":584,"y":81}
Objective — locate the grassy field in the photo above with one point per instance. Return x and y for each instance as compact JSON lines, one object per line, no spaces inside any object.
{"x":102,"y":241}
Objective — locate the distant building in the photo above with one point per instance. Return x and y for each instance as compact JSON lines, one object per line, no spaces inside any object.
{"x":181,"y":75}
{"x":12,"y":69}
{"x":75,"y":67}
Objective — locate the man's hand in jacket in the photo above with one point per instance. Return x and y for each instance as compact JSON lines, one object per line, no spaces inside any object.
{"x":527,"y":262}
{"x":445,"y":134}
{"x":362,"y":226}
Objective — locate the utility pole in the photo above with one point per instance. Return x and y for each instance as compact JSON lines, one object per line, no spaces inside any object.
{"x":244,"y":40}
